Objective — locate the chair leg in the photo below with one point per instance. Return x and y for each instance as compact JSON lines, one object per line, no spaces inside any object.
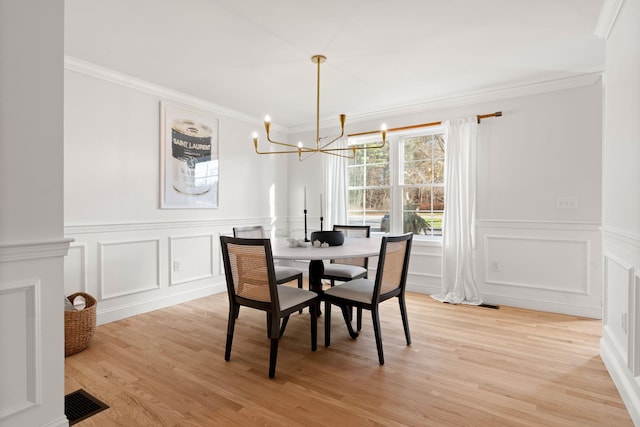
{"x":359,"y":320}
{"x":346,"y":313}
{"x":327,"y":323}
{"x":285,"y":320}
{"x":272,"y":357}
{"x":300,"y":287}
{"x":233,"y":315}
{"x":376,"y":329}
{"x":405,"y":319}
{"x":313,"y":308}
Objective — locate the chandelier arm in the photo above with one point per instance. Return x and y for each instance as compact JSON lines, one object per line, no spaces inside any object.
{"x":332,"y":141}
{"x":285,"y":144}
{"x":314,"y":152}
{"x":352,"y":148}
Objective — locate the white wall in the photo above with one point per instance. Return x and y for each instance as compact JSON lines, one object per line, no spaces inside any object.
{"x":620,"y":345}
{"x":126,"y":247}
{"x":530,"y":253}
{"x":32,"y":245}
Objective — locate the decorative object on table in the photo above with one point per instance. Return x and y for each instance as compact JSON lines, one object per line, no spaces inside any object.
{"x":325,"y":147}
{"x":319,"y":244}
{"x":321,"y":217}
{"x":296,"y":243}
{"x":305,"y":214}
{"x":188,"y":157}
{"x":250,"y":277}
{"x":330,"y":237}
{"x":79,"y":324}
{"x":393,"y":265}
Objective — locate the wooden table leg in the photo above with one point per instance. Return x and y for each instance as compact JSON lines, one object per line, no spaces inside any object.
{"x":316,"y":270}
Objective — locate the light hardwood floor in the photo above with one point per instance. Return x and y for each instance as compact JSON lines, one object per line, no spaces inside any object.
{"x":467,"y":366}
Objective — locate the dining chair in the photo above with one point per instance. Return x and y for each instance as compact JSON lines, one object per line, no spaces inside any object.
{"x":283,"y":274}
{"x":347,"y":269}
{"x":390,"y":282}
{"x":251,"y":282}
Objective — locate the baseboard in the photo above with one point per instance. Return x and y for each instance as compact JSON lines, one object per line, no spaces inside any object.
{"x":626,"y":384}
{"x":132,"y":309}
{"x":60,"y":422}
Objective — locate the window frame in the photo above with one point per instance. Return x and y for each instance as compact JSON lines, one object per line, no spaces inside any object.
{"x":396,"y":176}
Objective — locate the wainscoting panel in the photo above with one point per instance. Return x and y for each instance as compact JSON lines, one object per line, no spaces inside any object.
{"x":535,"y":262}
{"x":551,"y":266}
{"x":620,"y":344}
{"x":75,"y":269}
{"x":128,"y":267}
{"x":425,"y":267}
{"x":619,"y":302}
{"x":21,"y":384}
{"x":133,"y":268}
{"x":634,"y":327}
{"x":191,"y":258}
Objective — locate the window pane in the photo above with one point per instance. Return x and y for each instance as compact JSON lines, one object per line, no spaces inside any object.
{"x":377,"y":175}
{"x":367,"y":207}
{"x":417,"y":148}
{"x":356,"y":198}
{"x":377,"y":155}
{"x":356,"y":176}
{"x":438,"y":146}
{"x":438,"y":171}
{"x":418,"y":172}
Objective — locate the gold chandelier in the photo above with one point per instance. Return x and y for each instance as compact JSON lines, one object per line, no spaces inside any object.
{"x":325,"y":147}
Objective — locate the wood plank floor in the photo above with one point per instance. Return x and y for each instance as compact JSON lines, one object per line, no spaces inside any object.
{"x":467,"y":366}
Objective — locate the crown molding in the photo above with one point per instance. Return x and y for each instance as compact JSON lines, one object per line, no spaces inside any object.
{"x":83,"y":67}
{"x":607,"y":18}
{"x":489,"y":95}
{"x":494,"y":94}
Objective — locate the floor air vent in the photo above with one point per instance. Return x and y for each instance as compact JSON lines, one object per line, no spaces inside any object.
{"x":80,"y":405}
{"x":495,"y":307}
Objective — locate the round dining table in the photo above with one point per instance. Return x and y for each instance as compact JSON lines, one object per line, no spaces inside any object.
{"x":351,"y":248}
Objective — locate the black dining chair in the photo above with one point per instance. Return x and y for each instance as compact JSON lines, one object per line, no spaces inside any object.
{"x":251,"y":282}
{"x":283,"y":274}
{"x":390,"y":282}
{"x":346,"y":269}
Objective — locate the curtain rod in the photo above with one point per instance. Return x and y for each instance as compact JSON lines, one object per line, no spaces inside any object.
{"x":424,"y":125}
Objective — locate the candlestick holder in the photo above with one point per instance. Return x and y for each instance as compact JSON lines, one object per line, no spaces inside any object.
{"x":321,"y":219}
{"x":305,"y":226}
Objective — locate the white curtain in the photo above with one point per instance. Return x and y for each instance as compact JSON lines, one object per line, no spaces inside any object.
{"x":336,"y":189}
{"x":458,"y":240}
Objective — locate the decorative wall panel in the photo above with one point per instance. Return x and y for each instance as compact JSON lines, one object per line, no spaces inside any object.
{"x":20,"y":387}
{"x":128,"y":267}
{"x":191,"y":258}
{"x":538,"y":262}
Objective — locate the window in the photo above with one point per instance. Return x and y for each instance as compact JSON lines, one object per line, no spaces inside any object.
{"x":400,"y":187}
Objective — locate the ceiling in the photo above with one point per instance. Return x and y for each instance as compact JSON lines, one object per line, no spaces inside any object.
{"x":253,"y":56}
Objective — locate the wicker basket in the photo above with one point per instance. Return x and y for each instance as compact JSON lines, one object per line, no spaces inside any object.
{"x":79,"y":325}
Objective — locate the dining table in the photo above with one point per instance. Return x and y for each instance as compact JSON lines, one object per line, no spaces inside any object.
{"x":351,"y":248}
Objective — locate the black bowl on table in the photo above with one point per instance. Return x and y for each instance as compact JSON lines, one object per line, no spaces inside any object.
{"x":333,"y":238}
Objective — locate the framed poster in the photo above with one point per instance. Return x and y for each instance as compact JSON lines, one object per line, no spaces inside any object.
{"x":188,"y":158}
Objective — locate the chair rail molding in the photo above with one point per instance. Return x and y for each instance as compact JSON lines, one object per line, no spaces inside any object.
{"x":33,"y":250}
